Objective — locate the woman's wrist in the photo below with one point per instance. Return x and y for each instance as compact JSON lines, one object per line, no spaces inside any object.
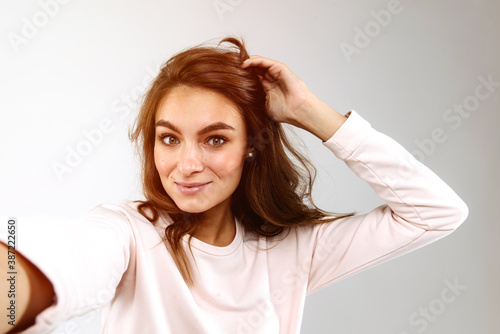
{"x":319,"y":118}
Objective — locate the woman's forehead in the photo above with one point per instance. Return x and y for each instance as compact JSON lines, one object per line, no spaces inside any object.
{"x":198,"y":107}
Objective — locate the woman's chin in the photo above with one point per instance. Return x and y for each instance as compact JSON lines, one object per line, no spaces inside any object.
{"x":191,"y":208}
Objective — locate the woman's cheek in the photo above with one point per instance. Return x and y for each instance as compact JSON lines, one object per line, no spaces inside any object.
{"x":228,"y":163}
{"x":160,"y":162}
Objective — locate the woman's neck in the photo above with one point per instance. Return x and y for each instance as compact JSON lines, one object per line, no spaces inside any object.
{"x":217,"y":227}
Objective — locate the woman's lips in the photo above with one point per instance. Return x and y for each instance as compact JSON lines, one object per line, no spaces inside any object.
{"x":191,"y":188}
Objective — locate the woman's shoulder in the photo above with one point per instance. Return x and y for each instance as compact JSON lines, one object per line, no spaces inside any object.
{"x":126,"y":212}
{"x":126,"y":217}
{"x":125,"y":208}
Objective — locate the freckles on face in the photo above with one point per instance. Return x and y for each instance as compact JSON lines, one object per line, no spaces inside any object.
{"x":200,"y":147}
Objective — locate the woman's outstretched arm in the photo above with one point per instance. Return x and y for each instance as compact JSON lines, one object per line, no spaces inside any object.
{"x":28,"y":292}
{"x":80,"y":261}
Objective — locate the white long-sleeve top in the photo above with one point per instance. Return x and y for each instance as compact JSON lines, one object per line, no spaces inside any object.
{"x":113,"y":258}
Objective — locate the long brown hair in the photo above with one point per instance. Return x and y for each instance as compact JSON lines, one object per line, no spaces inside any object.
{"x":274,"y":193}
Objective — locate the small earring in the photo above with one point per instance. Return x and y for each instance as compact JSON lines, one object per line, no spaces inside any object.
{"x":250,"y":155}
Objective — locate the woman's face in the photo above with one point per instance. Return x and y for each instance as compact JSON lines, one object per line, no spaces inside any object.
{"x":200,"y":148}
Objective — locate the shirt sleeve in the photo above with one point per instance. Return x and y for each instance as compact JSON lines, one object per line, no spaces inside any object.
{"x":83,"y":259}
{"x":420,"y":208}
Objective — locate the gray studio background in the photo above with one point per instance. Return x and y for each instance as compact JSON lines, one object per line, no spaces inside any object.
{"x":70,"y":67}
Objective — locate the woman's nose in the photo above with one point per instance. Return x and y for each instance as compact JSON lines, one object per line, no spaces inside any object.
{"x":190,"y":160}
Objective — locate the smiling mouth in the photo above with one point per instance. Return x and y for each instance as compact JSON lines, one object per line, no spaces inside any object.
{"x":191,"y":188}
{"x":191,"y":184}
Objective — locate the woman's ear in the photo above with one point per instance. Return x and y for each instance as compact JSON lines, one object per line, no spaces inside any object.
{"x":250,"y":153}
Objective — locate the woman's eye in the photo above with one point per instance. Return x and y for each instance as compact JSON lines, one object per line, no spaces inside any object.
{"x":169,"y":140}
{"x":216,"y":141}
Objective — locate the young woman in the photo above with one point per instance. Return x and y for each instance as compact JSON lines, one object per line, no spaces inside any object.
{"x":228,"y":239}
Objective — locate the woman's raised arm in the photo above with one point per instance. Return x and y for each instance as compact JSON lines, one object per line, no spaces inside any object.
{"x":420,"y":207}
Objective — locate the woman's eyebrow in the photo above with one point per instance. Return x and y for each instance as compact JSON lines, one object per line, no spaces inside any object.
{"x":207,"y":129}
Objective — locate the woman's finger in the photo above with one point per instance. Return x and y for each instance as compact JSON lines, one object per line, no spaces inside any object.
{"x":258,"y":61}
